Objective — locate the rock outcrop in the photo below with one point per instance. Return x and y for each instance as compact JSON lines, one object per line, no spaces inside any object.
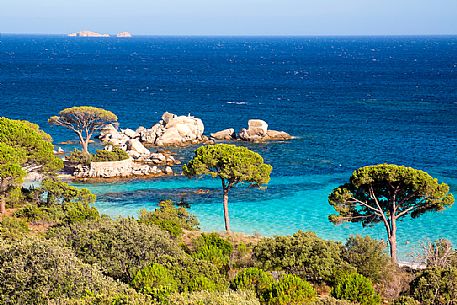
{"x":87,"y":34}
{"x":171,"y":130}
{"x":119,"y":169}
{"x":123,"y":35}
{"x":258,"y":131}
{"x":226,"y":134}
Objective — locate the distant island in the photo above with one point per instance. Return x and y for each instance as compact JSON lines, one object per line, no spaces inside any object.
{"x":95,"y":34}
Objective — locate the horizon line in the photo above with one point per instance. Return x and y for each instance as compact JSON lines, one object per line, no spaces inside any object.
{"x":236,"y":35}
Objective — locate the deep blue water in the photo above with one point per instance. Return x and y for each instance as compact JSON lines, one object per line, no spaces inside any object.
{"x":350,"y":101}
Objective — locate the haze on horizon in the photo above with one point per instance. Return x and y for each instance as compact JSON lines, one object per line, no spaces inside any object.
{"x":231,"y":17}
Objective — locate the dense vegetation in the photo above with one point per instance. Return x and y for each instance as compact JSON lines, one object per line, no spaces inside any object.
{"x":56,"y":248}
{"x":62,"y":251}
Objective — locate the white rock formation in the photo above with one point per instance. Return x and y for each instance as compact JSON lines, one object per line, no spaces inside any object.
{"x":226,"y":134}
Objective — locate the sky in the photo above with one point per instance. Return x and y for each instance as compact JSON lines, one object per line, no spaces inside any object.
{"x":231,"y":17}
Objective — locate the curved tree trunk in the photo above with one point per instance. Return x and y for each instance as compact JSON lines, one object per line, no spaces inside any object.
{"x":226,"y":211}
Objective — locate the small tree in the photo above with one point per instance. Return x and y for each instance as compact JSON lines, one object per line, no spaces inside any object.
{"x":232,"y":164}
{"x":23,"y":147}
{"x":386,"y":193}
{"x":84,"y":121}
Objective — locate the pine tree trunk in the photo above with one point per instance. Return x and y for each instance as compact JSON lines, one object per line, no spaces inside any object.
{"x":2,"y":205}
{"x":393,"y":241}
{"x":226,"y":211}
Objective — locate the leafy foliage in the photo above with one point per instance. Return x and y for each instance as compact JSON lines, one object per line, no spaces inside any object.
{"x":213,"y":248}
{"x":332,"y":301}
{"x":215,"y":298}
{"x":13,"y":228}
{"x":253,"y":279}
{"x":35,"y":271}
{"x":368,"y":256}
{"x":229,"y":162}
{"x":120,"y":247}
{"x":405,"y":300}
{"x":232,"y":164}
{"x":356,"y":287}
{"x":385,"y":193}
{"x":170,"y":218}
{"x":436,"y":286}
{"x":22,"y":145}
{"x":289,"y":289}
{"x":84,"y":121}
{"x":117,"y":154}
{"x":302,"y":254}
{"x":79,"y":157}
{"x":155,"y":280}
{"x":30,"y":143}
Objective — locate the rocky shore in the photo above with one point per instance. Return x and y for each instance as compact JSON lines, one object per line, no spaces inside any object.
{"x":171,"y":131}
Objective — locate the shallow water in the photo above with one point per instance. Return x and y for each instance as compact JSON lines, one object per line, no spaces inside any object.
{"x":351,"y":101}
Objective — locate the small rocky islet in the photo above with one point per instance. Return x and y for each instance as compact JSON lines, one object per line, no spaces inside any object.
{"x":171,"y":131}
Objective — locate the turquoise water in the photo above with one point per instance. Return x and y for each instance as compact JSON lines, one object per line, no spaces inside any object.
{"x":270,"y":214}
{"x":350,"y":101}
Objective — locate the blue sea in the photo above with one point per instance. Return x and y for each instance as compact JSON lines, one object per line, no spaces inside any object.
{"x":350,"y":102}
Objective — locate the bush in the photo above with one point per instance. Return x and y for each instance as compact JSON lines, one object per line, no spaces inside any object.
{"x":79,"y":157}
{"x":213,"y":248}
{"x":356,"y":287}
{"x":35,"y":214}
{"x":302,"y":254}
{"x":215,"y":298}
{"x":13,"y":228}
{"x":440,"y":254}
{"x":368,"y":256}
{"x":194,"y":274}
{"x":289,"y":289}
{"x":116,"y":154}
{"x":120,"y":247}
{"x":156,"y":281}
{"x":108,"y":298}
{"x":436,"y":286}
{"x":332,"y":301}
{"x":66,"y":213}
{"x":405,"y":300}
{"x":252,"y":279}
{"x":170,"y":218}
{"x":33,"y":271}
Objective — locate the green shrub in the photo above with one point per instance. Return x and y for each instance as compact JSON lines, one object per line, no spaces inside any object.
{"x":36,"y":214}
{"x":303,"y":254}
{"x":79,"y":157}
{"x":405,"y":300}
{"x":194,"y":274}
{"x":289,"y":289}
{"x":108,"y":298}
{"x":215,"y":298}
{"x":368,"y":256}
{"x":170,"y":218}
{"x":13,"y":228}
{"x":33,"y":271}
{"x":356,"y":287}
{"x":156,"y":281}
{"x":116,"y":154}
{"x":213,"y":248}
{"x":331,"y":301}
{"x":436,"y":286}
{"x":67,"y":213}
{"x":252,"y":279}
{"x":120,"y":247}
